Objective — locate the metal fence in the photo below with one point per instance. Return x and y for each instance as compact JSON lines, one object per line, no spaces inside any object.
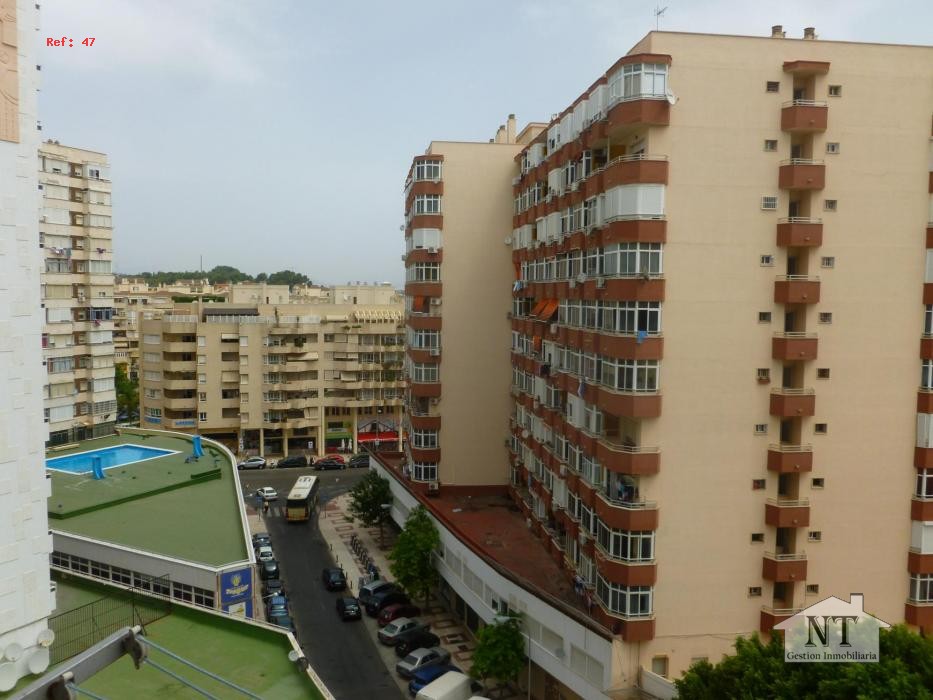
{"x":81,"y":628}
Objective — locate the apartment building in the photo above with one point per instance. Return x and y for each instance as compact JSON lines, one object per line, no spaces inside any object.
{"x":456,"y":332}
{"x":276,"y":379}
{"x":699,"y":406}
{"x":26,"y":598}
{"x":76,"y":238}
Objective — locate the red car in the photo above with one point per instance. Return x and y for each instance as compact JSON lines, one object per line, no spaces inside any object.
{"x":392,"y":612}
{"x":336,"y":458}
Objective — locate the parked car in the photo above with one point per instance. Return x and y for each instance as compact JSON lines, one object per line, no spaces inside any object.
{"x":329,"y":463}
{"x":334,"y":579}
{"x":252,"y":463}
{"x":375,"y":588}
{"x":276,"y":605}
{"x":265,"y":554}
{"x":261,"y":539}
{"x":283,"y":621}
{"x":428,"y":674}
{"x":421,"y":658}
{"x":377,"y":602}
{"x":395,"y":611}
{"x":272,"y":587}
{"x":417,"y":640}
{"x":357,"y":461}
{"x":349,"y":609}
{"x":291,"y":462}
{"x":400,"y":629}
{"x":451,"y":686}
{"x":267,"y":493}
{"x":268,"y":570}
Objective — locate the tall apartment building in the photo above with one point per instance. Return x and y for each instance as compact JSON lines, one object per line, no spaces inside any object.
{"x":706,"y":431}
{"x":457,"y":206}
{"x":276,"y":379}
{"x":25,"y":599}
{"x":76,"y":236}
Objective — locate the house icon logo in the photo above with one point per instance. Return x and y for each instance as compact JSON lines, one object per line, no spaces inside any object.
{"x":832,"y":631}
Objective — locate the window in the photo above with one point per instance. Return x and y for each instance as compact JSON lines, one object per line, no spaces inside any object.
{"x":769,"y":203}
{"x":829,"y":205}
{"x":202,"y":416}
{"x":815,"y":536}
{"x":828,"y":262}
{"x":822,"y":373}
{"x":759,"y":484}
{"x":424,"y":439}
{"x":772,"y":86}
{"x":659,"y":665}
{"x":767,"y":260}
{"x":761,"y":428}
{"x":817,"y":483}
{"x":427,"y":204}
{"x":423,"y":272}
{"x":427,"y":170}
{"x":202,"y":359}
{"x":770,"y":144}
{"x":832,"y":147}
{"x":424,"y":373}
{"x":629,"y":259}
{"x":202,"y":396}
{"x":826,"y":317}
{"x":924,"y":484}
{"x":423,"y":471}
{"x":202,"y":379}
{"x":630,"y":375}
{"x":835,"y":90}
{"x":629,"y":601}
{"x":758,"y":537}
{"x":626,"y":545}
{"x":754,"y":592}
{"x":764,"y":317}
{"x":813,"y":589}
{"x":821,"y":428}
{"x":244,"y":341}
{"x":764,"y":375}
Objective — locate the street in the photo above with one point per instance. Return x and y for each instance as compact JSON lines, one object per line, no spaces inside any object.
{"x":343,"y":653}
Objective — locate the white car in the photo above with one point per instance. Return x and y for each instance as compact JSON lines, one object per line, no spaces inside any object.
{"x":265,"y":554}
{"x":252,"y":463}
{"x":267,"y":493}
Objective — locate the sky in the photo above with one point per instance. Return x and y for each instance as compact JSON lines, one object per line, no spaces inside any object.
{"x":277,"y":135}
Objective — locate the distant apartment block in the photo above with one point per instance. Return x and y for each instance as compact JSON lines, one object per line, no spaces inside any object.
{"x":76,"y":238}
{"x":277,"y":379}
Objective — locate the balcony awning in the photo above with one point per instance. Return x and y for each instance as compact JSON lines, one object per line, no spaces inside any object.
{"x":538,"y":308}
{"x":550,"y":308}
{"x":387,"y":436}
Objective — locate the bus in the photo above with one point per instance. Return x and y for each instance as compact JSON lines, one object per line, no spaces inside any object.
{"x":302,"y":499}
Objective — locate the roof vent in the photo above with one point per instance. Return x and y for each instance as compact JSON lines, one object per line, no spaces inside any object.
{"x":777,"y":31}
{"x":809,"y":33}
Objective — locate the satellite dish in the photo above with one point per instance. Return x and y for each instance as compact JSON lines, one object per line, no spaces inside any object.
{"x":38,"y":660}
{"x":45,"y":638}
{"x":13,"y":651}
{"x":670,"y":97}
{"x":8,"y":676}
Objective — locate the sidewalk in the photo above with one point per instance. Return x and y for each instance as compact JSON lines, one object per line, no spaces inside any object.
{"x":336,"y":528}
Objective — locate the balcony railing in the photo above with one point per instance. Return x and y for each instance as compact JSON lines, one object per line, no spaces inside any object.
{"x":798,"y":556}
{"x":627,"y":449}
{"x":804,"y":103}
{"x":789,"y":502}
{"x":787,"y":448}
{"x":791,"y":391}
{"x":798,"y":278}
{"x":628,"y":504}
{"x":799,"y":220}
{"x":802,"y":161}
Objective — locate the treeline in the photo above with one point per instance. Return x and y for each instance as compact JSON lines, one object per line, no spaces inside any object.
{"x":224,"y":273}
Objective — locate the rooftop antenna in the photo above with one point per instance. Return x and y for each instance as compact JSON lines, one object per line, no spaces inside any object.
{"x":658,"y":13}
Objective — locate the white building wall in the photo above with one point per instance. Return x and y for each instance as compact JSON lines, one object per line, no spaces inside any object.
{"x":25,"y":598}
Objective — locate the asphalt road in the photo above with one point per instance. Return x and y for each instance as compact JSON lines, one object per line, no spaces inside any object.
{"x":343,"y":653}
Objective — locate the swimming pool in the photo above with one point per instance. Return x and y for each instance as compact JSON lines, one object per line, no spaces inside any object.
{"x":121,"y":455}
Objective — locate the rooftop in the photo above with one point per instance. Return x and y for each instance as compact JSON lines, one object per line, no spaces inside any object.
{"x":183,"y":510}
{"x":248,"y":655}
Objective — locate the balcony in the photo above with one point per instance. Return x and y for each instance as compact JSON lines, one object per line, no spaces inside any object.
{"x":628,"y":459}
{"x":647,"y":110}
{"x":641,"y":168}
{"x":793,"y":403}
{"x":425,"y":389}
{"x":179,"y":404}
{"x":925,"y":400}
{"x":629,"y":405}
{"x":921,"y":509}
{"x":790,"y":459}
{"x":802,"y":174}
{"x":918,"y":562}
{"x":772,"y":616}
{"x":784,"y":567}
{"x":178,"y":365}
{"x":627,"y":573}
{"x":421,"y":422}
{"x":799,"y":232}
{"x":804,"y":116}
{"x":785,"y":512}
{"x":626,"y":515}
{"x":794,"y":346}
{"x":797,"y":289}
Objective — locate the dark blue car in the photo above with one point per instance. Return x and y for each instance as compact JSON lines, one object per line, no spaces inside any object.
{"x":428,"y":675}
{"x":277,"y":605}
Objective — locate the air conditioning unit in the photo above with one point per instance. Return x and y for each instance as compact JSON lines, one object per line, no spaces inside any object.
{"x":553,"y":328}
{"x":600,"y":282}
{"x":581,"y":278}
{"x":507,"y":240}
{"x":435,"y":352}
{"x":432,"y":250}
{"x":435,"y":301}
{"x":582,"y":537}
{"x":572,"y":284}
{"x":574,"y":186}
{"x":563,"y":469}
{"x":525,"y":434}
{"x":645,"y":276}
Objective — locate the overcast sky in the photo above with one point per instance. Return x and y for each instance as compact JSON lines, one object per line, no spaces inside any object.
{"x":271,"y":135}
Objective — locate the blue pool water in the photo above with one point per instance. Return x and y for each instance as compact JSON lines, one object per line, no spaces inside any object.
{"x":83,"y":462}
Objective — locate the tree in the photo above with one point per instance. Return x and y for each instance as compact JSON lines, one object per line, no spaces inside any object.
{"x":367,"y":498}
{"x":758,"y":670}
{"x":413,"y":555}
{"x":127,"y":391}
{"x":500,"y":650}
{"x":262,"y":277}
{"x":288,"y":277}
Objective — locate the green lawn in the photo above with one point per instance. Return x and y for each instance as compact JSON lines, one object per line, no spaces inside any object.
{"x":199,"y":522}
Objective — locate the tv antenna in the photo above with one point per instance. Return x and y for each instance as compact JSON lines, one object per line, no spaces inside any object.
{"x":658,"y":13}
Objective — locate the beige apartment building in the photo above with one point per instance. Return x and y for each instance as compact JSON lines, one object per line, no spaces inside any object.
{"x":76,"y":237}
{"x":707,"y":433}
{"x":276,"y":379}
{"x":456,"y":331}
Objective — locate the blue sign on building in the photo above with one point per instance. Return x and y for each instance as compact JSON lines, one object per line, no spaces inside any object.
{"x":236,"y":592}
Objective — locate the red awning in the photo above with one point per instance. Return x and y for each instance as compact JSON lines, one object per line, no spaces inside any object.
{"x":388,"y":436}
